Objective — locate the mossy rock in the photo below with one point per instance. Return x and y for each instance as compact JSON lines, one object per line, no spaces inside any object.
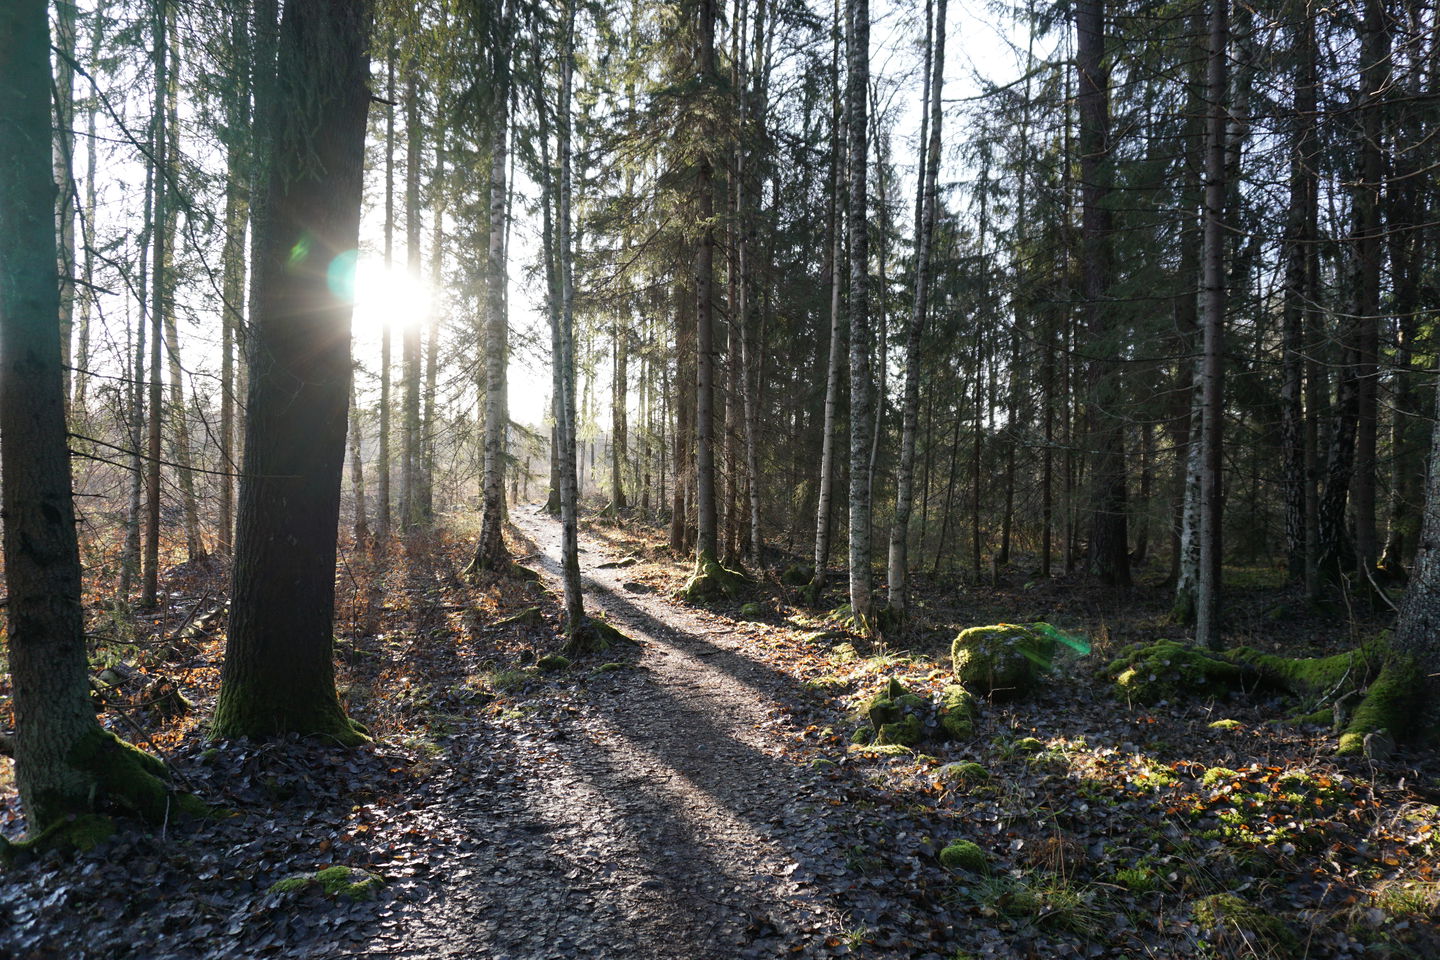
{"x":967,"y":772}
{"x":797,"y":575}
{"x":1028,"y":746}
{"x":908,"y":731}
{"x":349,"y":882}
{"x":1165,"y":669}
{"x":552,"y":663}
{"x":958,"y":711}
{"x":1390,"y":705}
{"x":1001,"y":660}
{"x":611,"y":667}
{"x":822,"y":763}
{"x":844,"y":653}
{"x":1226,"y":726}
{"x":1234,"y":923}
{"x":751,"y":609}
{"x":964,"y":855}
{"x":863,"y":735}
{"x":882,"y":750}
{"x":711,"y":581}
{"x":529,"y":617}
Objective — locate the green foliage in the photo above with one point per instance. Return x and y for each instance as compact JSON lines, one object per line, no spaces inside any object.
{"x":964,"y":855}
{"x":1233,"y":922}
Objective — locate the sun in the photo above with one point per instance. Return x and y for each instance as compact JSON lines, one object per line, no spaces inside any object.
{"x":387,"y":297}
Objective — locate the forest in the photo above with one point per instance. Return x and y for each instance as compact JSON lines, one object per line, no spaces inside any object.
{"x":882,"y":478}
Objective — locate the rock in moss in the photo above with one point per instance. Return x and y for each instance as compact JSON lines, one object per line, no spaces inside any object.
{"x":1001,"y":660}
{"x":964,"y":855}
{"x":1166,"y":669}
{"x":907,"y":731}
{"x":1028,"y":746}
{"x":552,"y":663}
{"x":349,"y":882}
{"x":1232,"y":922}
{"x":963,"y":773}
{"x":797,"y":575}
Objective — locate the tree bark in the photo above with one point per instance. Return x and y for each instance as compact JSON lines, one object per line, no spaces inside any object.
{"x":1207,"y":607}
{"x":278,"y":675}
{"x":410,"y":506}
{"x":1109,"y":558}
{"x":857,"y":135}
{"x":64,"y":763}
{"x":158,"y":306}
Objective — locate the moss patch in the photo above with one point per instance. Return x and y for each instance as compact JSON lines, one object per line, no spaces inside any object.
{"x":1389,"y":705}
{"x":964,"y":855}
{"x":81,"y":832}
{"x":797,"y":575}
{"x":1001,"y":660}
{"x":1225,"y":725}
{"x":1166,"y":669}
{"x":963,"y":773}
{"x":552,"y":663}
{"x":1316,"y":679}
{"x":529,"y":617}
{"x":349,"y":882}
{"x":711,"y":581}
{"x":958,"y":710}
{"x":1234,"y":922}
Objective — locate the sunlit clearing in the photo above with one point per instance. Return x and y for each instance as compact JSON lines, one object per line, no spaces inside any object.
{"x":387,"y":297}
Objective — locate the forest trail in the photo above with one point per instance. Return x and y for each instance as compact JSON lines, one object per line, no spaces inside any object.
{"x":658,"y":819}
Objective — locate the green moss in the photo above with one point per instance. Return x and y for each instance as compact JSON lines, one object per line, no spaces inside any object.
{"x":1233,"y":921}
{"x":529,"y":617}
{"x":958,"y":710}
{"x":907,"y":731}
{"x":1002,"y":659}
{"x":963,"y":773}
{"x":1316,"y":678}
{"x":1028,"y":746}
{"x":595,"y":635}
{"x":964,"y":855}
{"x":1165,"y":669}
{"x":751,"y":609}
{"x":256,"y":711}
{"x":1226,"y":725}
{"x":127,"y":778}
{"x":1389,"y":705}
{"x":552,"y":663}
{"x":863,"y":735}
{"x":822,"y":763}
{"x":1137,"y":879}
{"x":844,"y":653}
{"x":710,"y":581}
{"x":81,"y":832}
{"x":797,"y":575}
{"x":349,"y":882}
{"x":882,"y":750}
{"x":1215,"y":776}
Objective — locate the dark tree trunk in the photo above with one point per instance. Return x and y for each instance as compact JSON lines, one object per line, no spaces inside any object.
{"x":1109,"y":558}
{"x":279,"y":675}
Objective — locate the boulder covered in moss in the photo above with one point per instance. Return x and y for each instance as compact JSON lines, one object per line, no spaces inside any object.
{"x":797,"y":575}
{"x":1233,"y":923}
{"x":351,"y":883}
{"x":552,"y":663}
{"x":1001,"y":660}
{"x":1149,"y":673}
{"x":957,"y":711}
{"x":897,"y":715}
{"x":963,"y":773}
{"x":964,"y":855}
{"x":711,"y":581}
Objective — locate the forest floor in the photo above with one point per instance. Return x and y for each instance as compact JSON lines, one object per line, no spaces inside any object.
{"x":697,"y":795}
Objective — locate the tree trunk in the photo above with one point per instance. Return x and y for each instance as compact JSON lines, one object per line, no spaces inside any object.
{"x":490,"y":552}
{"x":158,"y":306}
{"x":357,"y":474}
{"x":64,"y":762}
{"x":237,"y":210}
{"x":824,"y":511}
{"x":383,"y":520}
{"x":706,"y":539}
{"x":81,"y":380}
{"x":1207,"y":607}
{"x":410,"y":506}
{"x":1299,"y":238}
{"x":63,"y":158}
{"x":857,"y":135}
{"x":278,"y":675}
{"x":563,"y":347}
{"x":1109,"y":558}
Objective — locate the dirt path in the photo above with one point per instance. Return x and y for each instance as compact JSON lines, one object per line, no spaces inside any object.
{"x":652,"y":817}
